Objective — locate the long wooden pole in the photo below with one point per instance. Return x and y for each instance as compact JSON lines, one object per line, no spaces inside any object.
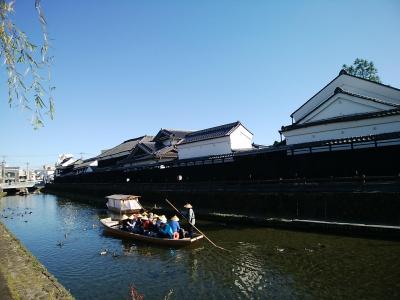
{"x":219,"y":247}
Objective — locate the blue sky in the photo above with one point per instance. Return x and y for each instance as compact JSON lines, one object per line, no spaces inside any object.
{"x":127,"y":68}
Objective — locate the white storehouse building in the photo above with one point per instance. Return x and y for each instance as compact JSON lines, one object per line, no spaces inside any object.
{"x":224,"y":139}
{"x":346,"y":107}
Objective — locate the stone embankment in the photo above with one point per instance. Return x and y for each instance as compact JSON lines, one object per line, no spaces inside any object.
{"x":22,"y":276}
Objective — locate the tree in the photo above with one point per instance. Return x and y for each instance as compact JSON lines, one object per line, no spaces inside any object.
{"x":364,"y":69}
{"x":27,"y":65}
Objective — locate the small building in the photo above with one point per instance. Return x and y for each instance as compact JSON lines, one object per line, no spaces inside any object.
{"x":110,"y":157}
{"x":161,"y":149}
{"x":346,"y":107}
{"x":85,"y":166}
{"x":224,"y":139}
{"x":10,"y":175}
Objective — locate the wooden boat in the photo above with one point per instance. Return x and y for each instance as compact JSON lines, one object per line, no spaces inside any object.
{"x":123,"y":203}
{"x":113,"y":227}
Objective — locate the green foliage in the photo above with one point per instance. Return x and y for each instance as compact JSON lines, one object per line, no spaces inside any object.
{"x":364,"y":69}
{"x":27,"y":65}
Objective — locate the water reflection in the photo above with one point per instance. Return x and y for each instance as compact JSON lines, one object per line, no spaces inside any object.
{"x":67,"y":238}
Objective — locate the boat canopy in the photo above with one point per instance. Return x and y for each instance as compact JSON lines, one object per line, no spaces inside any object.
{"x":123,"y":202}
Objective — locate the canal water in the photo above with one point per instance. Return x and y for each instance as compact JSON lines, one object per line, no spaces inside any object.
{"x":263,"y":263}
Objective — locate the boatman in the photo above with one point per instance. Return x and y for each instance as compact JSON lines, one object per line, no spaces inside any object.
{"x":191,"y":218}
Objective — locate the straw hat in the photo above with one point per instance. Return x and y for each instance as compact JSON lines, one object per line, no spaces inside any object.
{"x":131,"y":217}
{"x":124,"y":217}
{"x":145,"y":218}
{"x":156,"y":216}
{"x":175,"y":218}
{"x":163,"y":219}
{"x":145,"y":213}
{"x":188,"y":205}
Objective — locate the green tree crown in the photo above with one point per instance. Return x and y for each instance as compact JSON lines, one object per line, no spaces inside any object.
{"x":364,"y":69}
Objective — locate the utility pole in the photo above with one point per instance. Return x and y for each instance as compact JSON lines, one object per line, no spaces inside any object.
{"x":27,"y":171}
{"x":2,"y":169}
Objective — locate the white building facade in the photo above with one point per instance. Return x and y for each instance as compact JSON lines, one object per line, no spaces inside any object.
{"x":347,"y":107}
{"x":224,"y":139}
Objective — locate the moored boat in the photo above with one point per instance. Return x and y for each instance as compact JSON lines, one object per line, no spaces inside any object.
{"x":123,"y":203}
{"x":113,"y":227}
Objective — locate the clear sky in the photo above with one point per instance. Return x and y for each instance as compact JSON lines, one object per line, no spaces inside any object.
{"x":127,"y":68}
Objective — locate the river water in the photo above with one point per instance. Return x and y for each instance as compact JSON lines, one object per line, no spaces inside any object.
{"x":264,"y":263}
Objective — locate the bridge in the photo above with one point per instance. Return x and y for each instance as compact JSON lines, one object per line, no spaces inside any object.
{"x":17,"y":185}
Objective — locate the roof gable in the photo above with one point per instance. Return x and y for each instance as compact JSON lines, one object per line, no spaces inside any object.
{"x":343,"y":103}
{"x":352,"y":84}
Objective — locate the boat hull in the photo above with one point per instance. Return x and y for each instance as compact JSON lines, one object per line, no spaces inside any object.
{"x":111,"y":227}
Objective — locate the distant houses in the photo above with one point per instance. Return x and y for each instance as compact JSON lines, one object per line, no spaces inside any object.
{"x":347,"y":113}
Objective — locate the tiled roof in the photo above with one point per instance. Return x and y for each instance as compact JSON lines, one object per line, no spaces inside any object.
{"x":123,"y":148}
{"x":171,"y":133}
{"x":340,"y":90}
{"x":378,"y":114}
{"x":211,"y":133}
{"x":169,"y":151}
{"x":84,"y":163}
{"x":153,"y":150}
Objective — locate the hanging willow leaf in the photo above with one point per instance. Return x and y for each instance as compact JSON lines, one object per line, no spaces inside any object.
{"x":27,"y":65}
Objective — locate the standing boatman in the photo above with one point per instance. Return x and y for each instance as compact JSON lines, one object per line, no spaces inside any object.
{"x":191,"y":218}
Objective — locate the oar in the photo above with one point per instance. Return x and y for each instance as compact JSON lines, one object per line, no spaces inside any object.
{"x":219,"y":247}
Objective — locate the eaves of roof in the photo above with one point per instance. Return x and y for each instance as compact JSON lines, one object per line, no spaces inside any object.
{"x":385,"y":113}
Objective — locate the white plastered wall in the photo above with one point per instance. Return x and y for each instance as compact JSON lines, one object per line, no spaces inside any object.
{"x":341,"y":130}
{"x":205,"y":148}
{"x":241,"y":138}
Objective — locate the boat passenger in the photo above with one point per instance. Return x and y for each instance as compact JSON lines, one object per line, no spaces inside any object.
{"x":154,"y":228}
{"x":131,"y":222}
{"x":174,"y":223}
{"x":158,"y":223}
{"x":138,"y":224}
{"x":146,"y":224}
{"x":191,"y":218}
{"x":165,"y":229}
{"x":124,"y":222}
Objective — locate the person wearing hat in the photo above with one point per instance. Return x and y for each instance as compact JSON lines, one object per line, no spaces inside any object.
{"x":191,"y":218}
{"x":138,"y":224}
{"x":174,"y":223}
{"x":165,"y":229}
{"x":124,"y":222}
{"x":145,"y":224}
{"x":131,"y":222}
